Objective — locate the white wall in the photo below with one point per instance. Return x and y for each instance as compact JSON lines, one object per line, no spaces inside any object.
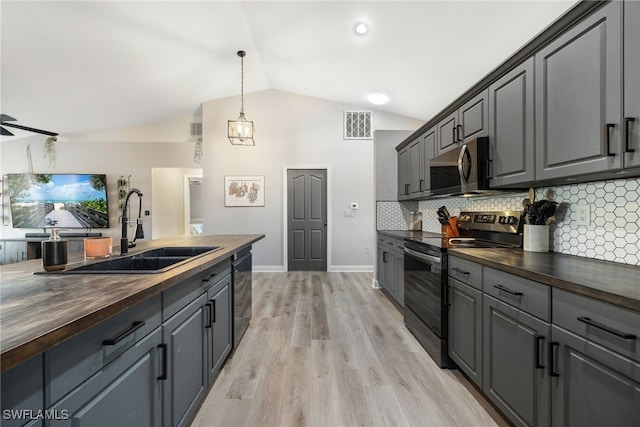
{"x":168,"y":186}
{"x":293,"y":130}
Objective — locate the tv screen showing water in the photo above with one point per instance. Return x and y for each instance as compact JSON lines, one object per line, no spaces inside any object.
{"x":58,"y":200}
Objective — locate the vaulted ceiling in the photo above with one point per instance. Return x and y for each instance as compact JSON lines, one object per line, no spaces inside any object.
{"x":88,"y":66}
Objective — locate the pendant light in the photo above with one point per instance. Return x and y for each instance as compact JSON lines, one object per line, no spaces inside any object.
{"x":241,"y":129}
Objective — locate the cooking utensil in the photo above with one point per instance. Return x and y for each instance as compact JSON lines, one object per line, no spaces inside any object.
{"x":532,"y":195}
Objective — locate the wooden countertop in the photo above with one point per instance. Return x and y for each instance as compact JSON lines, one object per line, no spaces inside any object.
{"x":39,"y":311}
{"x":606,"y":281}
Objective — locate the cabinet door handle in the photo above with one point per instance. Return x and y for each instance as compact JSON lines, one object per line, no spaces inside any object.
{"x":552,"y":367}
{"x":421,"y":182}
{"x":213,"y":311}
{"x":384,"y":257}
{"x":457,"y":270}
{"x":607,"y":138}
{"x":507,"y":290}
{"x":454,"y":129}
{"x":627,"y":134}
{"x":210,"y":322}
{"x":459,"y":131}
{"x":163,"y":375}
{"x":606,"y":328}
{"x":122,"y":335}
{"x":539,"y":339}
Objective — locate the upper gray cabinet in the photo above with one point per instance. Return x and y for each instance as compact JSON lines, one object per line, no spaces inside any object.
{"x":578,"y":98}
{"x":631,"y":122}
{"x":429,"y":141}
{"x":404,"y":176}
{"x":511,"y":126}
{"x":416,"y":168}
{"x":467,"y":122}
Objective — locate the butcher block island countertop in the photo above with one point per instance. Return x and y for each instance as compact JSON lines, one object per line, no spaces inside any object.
{"x":37,"y":311}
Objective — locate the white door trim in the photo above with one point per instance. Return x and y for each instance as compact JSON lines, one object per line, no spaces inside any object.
{"x":285,"y":170}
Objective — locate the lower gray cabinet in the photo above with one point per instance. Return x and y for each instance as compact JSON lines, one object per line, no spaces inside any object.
{"x":126,"y":392}
{"x":219,"y":326}
{"x":591,"y":385}
{"x":465,"y":329}
{"x":22,"y":394}
{"x":515,"y":372}
{"x":390,"y":271}
{"x":185,"y":381}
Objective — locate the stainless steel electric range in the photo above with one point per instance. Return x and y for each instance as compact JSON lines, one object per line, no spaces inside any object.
{"x":426,"y":279}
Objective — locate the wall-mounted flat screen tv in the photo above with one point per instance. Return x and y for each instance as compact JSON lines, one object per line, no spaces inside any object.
{"x":58,"y":200}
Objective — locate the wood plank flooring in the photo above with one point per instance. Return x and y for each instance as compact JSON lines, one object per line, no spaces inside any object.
{"x":326,"y":349}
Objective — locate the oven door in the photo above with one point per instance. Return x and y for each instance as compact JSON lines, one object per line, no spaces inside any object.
{"x":423,"y":288}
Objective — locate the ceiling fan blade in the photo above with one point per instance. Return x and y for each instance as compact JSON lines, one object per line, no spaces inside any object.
{"x":5,"y":132}
{"x":44,"y":132}
{"x":6,"y":118}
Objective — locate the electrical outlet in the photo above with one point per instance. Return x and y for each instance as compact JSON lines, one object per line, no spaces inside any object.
{"x":583,"y":215}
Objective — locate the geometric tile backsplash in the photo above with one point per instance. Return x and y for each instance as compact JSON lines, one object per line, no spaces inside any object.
{"x":613,"y":233}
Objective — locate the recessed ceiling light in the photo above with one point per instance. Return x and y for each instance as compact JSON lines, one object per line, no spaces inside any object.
{"x":361,"y":28}
{"x":378,"y":98}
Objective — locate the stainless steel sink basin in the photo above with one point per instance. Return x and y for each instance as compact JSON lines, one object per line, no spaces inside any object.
{"x":156,"y":260}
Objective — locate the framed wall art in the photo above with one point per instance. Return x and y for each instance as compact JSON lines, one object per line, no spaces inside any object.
{"x":244,"y":190}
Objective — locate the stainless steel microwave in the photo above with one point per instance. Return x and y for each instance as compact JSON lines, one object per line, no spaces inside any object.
{"x":463,"y":170}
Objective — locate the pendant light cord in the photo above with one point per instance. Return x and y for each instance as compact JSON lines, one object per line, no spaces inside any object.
{"x":242,"y":84}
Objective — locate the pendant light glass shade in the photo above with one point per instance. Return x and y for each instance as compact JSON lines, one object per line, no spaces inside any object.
{"x":241,"y":130}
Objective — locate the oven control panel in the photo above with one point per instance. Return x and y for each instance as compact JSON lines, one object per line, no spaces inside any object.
{"x":500,"y":221}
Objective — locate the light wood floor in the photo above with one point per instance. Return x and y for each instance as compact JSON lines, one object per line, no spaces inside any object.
{"x":326,"y":349}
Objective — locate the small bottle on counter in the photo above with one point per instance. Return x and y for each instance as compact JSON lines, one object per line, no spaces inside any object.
{"x":54,"y":252}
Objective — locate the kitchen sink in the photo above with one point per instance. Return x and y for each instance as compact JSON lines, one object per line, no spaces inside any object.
{"x":156,"y":260}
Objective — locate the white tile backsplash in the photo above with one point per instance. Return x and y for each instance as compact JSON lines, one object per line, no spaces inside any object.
{"x":614,"y":233}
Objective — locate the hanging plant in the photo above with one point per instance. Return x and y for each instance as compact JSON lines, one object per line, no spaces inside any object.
{"x":50,"y":150}
{"x":197,"y":156}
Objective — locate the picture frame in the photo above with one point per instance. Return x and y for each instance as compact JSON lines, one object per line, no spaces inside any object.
{"x":244,"y":190}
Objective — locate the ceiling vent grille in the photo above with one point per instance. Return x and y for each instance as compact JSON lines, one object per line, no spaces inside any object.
{"x":357,"y":125}
{"x":196,"y":129}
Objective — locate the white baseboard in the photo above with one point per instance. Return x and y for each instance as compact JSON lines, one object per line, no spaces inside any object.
{"x":351,"y":269}
{"x":268,"y":268}
{"x":333,"y":269}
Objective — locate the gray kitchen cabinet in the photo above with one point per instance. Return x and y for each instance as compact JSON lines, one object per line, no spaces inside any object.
{"x":126,"y":392}
{"x":416,"y":168}
{"x":219,"y":329}
{"x":631,"y":120}
{"x":514,"y":372}
{"x":578,"y":98}
{"x":386,"y":158}
{"x":390,"y":272}
{"x":592,"y":385}
{"x":22,"y":394}
{"x":14,"y":251}
{"x":404,"y":176}
{"x":511,"y":127}
{"x":429,"y":140}
{"x":185,"y":380}
{"x":465,"y":329}
{"x":467,"y":122}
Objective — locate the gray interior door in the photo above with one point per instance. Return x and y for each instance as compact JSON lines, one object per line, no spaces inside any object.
{"x":307,"y":219}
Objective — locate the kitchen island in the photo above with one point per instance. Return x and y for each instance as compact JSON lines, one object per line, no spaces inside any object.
{"x":38,"y":311}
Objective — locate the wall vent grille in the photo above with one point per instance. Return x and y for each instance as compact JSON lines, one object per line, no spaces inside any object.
{"x":196,"y":129}
{"x":357,"y":125}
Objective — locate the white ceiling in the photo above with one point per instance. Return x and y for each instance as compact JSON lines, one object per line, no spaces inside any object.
{"x":76,"y":66}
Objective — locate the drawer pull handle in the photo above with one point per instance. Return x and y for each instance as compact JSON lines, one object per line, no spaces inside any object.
{"x":210,"y":322}
{"x":606,"y":328}
{"x":457,"y":270}
{"x":539,"y":339}
{"x":507,"y":290}
{"x":163,"y":375}
{"x":552,"y":367}
{"x":213,"y":311}
{"x":122,"y":335}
